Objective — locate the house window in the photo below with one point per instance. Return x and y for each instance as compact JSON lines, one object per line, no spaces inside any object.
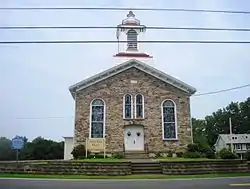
{"x":97,"y":128}
{"x":139,"y":106}
{"x":127,"y":107}
{"x":169,"y":120}
{"x":132,"y":40}
{"x":238,"y":146}
{"x":248,"y":146}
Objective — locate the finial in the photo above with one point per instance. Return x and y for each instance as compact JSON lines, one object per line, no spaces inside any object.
{"x":130,"y":14}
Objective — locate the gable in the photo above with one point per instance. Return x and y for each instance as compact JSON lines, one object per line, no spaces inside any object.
{"x":133,"y":64}
{"x":236,"y":138}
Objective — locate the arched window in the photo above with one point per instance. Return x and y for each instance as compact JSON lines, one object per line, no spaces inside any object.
{"x":127,"y":107}
{"x":132,"y":40}
{"x":139,"y":106}
{"x":97,"y":127}
{"x":169,"y":120}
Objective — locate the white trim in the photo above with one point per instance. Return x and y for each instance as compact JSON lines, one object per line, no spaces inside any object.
{"x":127,"y":65}
{"x":162,"y":121}
{"x":191,"y":123}
{"x":142,"y":106}
{"x":132,"y":104}
{"x":104,"y":117}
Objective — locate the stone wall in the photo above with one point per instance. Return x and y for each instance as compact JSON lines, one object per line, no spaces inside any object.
{"x":122,"y":168}
{"x":68,"y":168}
{"x":154,"y":91}
{"x":204,"y":167}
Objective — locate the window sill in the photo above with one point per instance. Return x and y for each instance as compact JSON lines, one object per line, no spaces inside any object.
{"x":170,"y":139}
{"x":133,"y":119}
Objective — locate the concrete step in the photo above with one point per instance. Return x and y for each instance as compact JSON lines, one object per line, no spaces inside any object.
{"x":146,"y":168}
{"x":146,"y":172}
{"x":136,"y":155}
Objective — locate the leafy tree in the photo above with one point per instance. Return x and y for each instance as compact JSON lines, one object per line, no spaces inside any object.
{"x":37,"y":149}
{"x":208,"y":129}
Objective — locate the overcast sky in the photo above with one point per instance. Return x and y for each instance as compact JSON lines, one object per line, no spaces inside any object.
{"x":34,"y":78}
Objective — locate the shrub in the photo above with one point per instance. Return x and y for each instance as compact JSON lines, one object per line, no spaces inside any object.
{"x":226,"y":153}
{"x":179,"y":154}
{"x":158,"y":155}
{"x":247,"y":155}
{"x":192,"y":155}
{"x":204,"y":150}
{"x":193,"y":148}
{"x":170,"y":153}
{"x":118,"y":155}
{"x":79,"y":151}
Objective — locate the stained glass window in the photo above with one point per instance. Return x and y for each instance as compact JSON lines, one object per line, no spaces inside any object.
{"x":97,"y":118}
{"x":169,"y":120}
{"x":139,"y":106}
{"x":127,"y":106}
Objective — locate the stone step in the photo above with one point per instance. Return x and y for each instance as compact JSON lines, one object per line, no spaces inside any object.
{"x":146,"y":168}
{"x":146,"y":171}
{"x":136,"y":155}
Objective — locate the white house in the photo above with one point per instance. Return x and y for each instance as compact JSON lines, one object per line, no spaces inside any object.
{"x":240,"y":142}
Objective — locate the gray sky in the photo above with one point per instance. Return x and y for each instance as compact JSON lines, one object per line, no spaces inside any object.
{"x":34,"y":78}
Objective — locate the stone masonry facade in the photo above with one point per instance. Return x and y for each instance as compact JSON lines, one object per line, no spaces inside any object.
{"x":154,"y":91}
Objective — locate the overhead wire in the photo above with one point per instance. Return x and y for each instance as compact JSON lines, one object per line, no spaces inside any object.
{"x":199,"y":94}
{"x":223,"y":90}
{"x":114,"y":41}
{"x":114,"y":27}
{"x":127,"y":8}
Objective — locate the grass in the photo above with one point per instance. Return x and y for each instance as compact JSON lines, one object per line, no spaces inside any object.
{"x":123,"y":177}
{"x":101,"y":160}
{"x":186,"y":159}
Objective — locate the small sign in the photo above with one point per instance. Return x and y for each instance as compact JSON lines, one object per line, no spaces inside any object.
{"x":96,"y":144}
{"x":17,"y":143}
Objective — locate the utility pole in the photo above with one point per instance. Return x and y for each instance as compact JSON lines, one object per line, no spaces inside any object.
{"x":230,"y":126}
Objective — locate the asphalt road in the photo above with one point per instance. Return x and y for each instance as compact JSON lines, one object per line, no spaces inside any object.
{"x":222,"y":183}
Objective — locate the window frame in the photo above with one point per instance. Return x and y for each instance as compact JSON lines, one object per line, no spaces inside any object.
{"x":136,"y":106}
{"x":176,"y":121}
{"x":124,"y":106}
{"x":104,"y":117}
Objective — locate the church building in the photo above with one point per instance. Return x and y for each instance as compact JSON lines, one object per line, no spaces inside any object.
{"x":134,"y":106}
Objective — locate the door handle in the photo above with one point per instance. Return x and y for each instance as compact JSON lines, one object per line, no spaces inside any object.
{"x":134,"y":141}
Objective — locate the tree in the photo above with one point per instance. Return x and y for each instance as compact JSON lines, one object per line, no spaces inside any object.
{"x":38,"y":149}
{"x":209,"y":128}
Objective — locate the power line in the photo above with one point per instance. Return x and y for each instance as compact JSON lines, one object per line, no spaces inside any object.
{"x":113,"y":27}
{"x":126,"y":8}
{"x":43,"y":117}
{"x":200,"y":94}
{"x":223,"y":90}
{"x":112,"y":41}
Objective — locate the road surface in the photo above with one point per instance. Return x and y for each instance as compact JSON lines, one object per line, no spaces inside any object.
{"x":219,"y":183}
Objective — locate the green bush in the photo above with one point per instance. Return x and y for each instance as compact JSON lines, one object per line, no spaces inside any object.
{"x":118,"y":155}
{"x":170,"y":153}
{"x":192,"y":155}
{"x":158,"y":155}
{"x":179,"y":154}
{"x":247,"y":155}
{"x":79,"y":151}
{"x":203,"y":149}
{"x":226,"y":153}
{"x":193,"y":148}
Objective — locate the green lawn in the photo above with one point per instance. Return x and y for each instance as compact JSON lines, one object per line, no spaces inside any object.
{"x":185,"y":159}
{"x":101,"y":160}
{"x":122,"y":177}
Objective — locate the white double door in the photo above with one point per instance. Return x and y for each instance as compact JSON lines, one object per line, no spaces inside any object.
{"x":134,"y":138}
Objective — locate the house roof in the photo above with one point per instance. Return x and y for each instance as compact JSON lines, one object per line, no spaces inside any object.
{"x":236,"y":138}
{"x":133,"y":63}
